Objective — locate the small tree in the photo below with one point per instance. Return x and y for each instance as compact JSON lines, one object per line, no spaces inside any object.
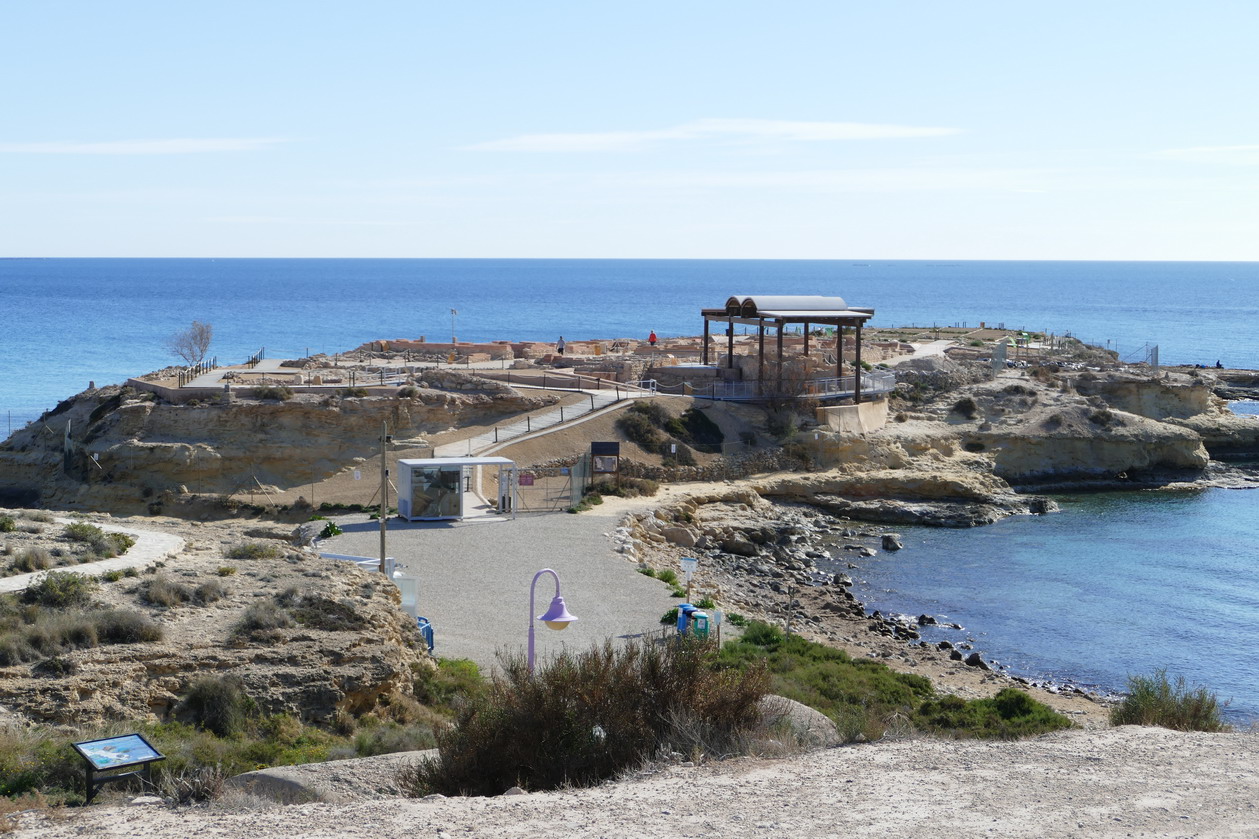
{"x":191,"y":344}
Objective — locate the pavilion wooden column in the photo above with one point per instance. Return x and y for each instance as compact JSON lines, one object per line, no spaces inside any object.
{"x":779,"y":326}
{"x":839,"y":350}
{"x":760,"y":357}
{"x":730,"y":343}
{"x":705,"y":342}
{"x":806,"y":337}
{"x":856,"y":370}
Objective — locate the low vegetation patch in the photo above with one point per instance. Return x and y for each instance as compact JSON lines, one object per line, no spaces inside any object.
{"x":33,"y":631}
{"x":60,"y":590}
{"x":867,"y":698}
{"x":278,"y":393}
{"x":99,"y":543}
{"x":262,"y":621}
{"x":653,"y":429}
{"x":220,"y":732}
{"x":626,"y":487}
{"x":583,"y":718}
{"x":254,"y":550}
{"x":1157,"y":700}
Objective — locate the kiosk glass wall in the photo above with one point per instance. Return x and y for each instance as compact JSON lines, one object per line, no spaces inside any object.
{"x":437,"y":492}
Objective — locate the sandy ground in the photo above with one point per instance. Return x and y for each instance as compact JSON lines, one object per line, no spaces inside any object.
{"x":1122,"y":782}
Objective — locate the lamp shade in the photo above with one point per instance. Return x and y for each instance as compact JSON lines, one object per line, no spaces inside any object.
{"x":558,"y":616}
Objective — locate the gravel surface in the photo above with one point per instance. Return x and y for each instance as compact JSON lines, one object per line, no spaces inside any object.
{"x":475,"y":578}
{"x":1121,"y":782}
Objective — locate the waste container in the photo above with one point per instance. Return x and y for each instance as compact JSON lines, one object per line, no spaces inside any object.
{"x":692,"y":621}
{"x":426,"y":630}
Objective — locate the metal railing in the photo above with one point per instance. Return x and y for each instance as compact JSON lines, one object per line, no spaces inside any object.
{"x":199,"y":369}
{"x":872,"y":384}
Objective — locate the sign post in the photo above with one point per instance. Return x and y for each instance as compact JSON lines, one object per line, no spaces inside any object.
{"x":689,"y":566}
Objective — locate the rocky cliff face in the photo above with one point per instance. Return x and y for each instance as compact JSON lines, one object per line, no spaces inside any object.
{"x":125,"y":450}
{"x":348,"y":647}
{"x":1036,"y":428}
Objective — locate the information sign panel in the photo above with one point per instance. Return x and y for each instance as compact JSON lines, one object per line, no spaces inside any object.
{"x":116,"y":752}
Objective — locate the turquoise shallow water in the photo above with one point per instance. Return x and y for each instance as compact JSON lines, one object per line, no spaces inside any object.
{"x":1115,"y":584}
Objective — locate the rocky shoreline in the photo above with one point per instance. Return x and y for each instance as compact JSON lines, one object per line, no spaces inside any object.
{"x":786,"y":562}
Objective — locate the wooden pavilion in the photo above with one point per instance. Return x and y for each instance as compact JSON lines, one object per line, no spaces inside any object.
{"x":776,"y":312}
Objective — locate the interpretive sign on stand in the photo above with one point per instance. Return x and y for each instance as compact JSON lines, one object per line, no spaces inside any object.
{"x":689,"y":567}
{"x":109,"y":753}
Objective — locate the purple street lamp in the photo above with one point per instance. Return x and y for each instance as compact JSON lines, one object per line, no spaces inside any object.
{"x":557,"y":617}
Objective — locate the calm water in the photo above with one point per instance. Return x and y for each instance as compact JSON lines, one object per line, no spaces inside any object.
{"x":1116,"y":584}
{"x":68,"y":321}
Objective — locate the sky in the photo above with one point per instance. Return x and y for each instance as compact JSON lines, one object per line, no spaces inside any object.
{"x":786,"y":130}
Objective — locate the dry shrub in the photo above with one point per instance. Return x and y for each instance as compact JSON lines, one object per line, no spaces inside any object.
{"x":32,"y":559}
{"x":584,"y":718}
{"x":163,"y":591}
{"x":262,"y":620}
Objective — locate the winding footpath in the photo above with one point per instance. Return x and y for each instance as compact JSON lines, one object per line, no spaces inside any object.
{"x":150,"y":546}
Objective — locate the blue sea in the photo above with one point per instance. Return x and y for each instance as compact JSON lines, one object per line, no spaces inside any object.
{"x":1115,"y":584}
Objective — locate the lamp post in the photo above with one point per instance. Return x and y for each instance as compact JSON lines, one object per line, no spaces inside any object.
{"x":557,"y":617}
{"x":453,"y":312}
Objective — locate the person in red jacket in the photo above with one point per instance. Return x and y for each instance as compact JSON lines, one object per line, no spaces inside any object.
{"x":651,"y":339}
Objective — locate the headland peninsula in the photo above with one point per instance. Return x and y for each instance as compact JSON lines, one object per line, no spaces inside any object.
{"x":216,"y":473}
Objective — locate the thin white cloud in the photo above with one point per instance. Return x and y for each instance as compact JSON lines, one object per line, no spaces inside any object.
{"x":729,"y":130}
{"x":177,"y":146}
{"x":1230,"y":155}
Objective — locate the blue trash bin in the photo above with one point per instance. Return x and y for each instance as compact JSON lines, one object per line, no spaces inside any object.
{"x":426,"y":630}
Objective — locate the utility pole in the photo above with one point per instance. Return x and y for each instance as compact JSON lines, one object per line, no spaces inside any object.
{"x":384,"y":488}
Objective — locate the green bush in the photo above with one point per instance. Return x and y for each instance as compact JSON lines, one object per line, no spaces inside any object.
{"x":254,"y":550}
{"x":1155,"y":700}
{"x":60,"y":589}
{"x":626,"y":487}
{"x":329,"y":530}
{"x":226,"y":570}
{"x":217,"y":704}
{"x":391,"y":737}
{"x":583,"y":718}
{"x":7,"y":524}
{"x":1007,"y":716}
{"x":449,"y":687}
{"x":639,"y":429}
{"x":82,"y":532}
{"x":408,"y":392}
{"x":668,"y":576}
{"x":864,"y":697}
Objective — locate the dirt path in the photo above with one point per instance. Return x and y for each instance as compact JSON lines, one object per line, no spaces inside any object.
{"x":1121,"y":782}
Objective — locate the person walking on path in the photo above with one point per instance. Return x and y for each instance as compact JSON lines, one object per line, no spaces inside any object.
{"x":559,"y":345}
{"x":651,"y":339}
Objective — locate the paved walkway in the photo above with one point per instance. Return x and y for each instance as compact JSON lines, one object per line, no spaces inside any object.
{"x":150,"y":546}
{"x":475,"y":577}
{"x":598,"y":401}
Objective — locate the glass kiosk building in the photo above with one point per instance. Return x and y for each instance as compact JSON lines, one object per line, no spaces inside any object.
{"x":432,"y":489}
